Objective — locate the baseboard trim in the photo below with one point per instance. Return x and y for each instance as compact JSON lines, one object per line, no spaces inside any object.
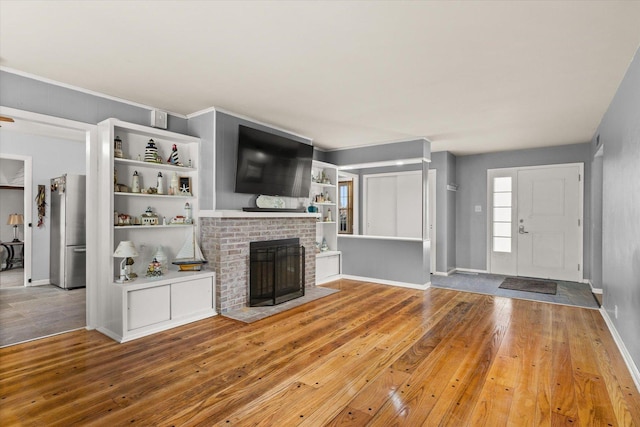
{"x":40,"y":282}
{"x":633,"y":369}
{"x":446,"y":274}
{"x":469,"y":270}
{"x":594,"y":290}
{"x":387,"y":282}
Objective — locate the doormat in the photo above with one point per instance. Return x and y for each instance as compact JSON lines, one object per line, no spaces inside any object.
{"x":529,"y":285}
{"x":252,"y":314}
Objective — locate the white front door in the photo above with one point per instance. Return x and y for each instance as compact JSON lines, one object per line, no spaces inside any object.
{"x":535,"y":222}
{"x":549,"y":223}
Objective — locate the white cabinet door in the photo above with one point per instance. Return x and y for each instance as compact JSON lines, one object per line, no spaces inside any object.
{"x":188,"y":298}
{"x":148,"y":306}
{"x":327,"y":266}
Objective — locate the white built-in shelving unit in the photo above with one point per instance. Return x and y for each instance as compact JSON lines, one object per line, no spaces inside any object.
{"x":324,"y":195}
{"x":147,"y":305}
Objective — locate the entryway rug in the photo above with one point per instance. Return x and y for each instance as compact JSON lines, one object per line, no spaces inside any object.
{"x":252,"y":314}
{"x":529,"y":285}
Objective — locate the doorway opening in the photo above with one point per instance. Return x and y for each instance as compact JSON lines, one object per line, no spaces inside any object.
{"x":35,"y":139}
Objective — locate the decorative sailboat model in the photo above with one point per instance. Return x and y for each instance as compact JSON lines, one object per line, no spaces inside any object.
{"x":190,"y":257}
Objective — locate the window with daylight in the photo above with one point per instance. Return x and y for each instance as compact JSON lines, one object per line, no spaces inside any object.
{"x":345,"y":191}
{"x":502,"y":201}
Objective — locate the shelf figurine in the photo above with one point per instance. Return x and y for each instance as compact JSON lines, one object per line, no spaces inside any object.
{"x":173,"y":157}
{"x":175,"y":185}
{"x":149,"y":218}
{"x":117,"y":148}
{"x":151,"y":152}
{"x":160,"y":186}
{"x":135,"y":183}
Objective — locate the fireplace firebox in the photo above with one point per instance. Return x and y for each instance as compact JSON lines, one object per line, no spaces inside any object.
{"x":276,"y":271}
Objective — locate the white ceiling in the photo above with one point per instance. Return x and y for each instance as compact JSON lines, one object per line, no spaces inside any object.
{"x":470,"y":76}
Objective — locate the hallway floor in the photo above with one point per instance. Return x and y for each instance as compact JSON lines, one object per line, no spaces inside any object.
{"x":27,"y":313}
{"x":569,"y":293}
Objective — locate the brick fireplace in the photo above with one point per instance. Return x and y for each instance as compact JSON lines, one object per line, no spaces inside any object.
{"x":225,"y":239}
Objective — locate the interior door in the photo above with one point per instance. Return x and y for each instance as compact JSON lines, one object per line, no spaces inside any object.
{"x":549,"y":229}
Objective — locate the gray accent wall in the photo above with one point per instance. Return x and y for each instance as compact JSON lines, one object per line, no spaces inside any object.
{"x":620,"y":136}
{"x":226,"y":157}
{"x":471,"y":176}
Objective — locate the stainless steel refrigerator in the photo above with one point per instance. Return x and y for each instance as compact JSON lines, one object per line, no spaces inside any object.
{"x":68,"y":253}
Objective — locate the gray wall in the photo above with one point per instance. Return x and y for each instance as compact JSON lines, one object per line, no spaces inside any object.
{"x":392,"y":260}
{"x":471,"y":176}
{"x":203,"y":126}
{"x":445,"y":165}
{"x":417,"y":148}
{"x":27,"y":94}
{"x":403,"y":261}
{"x":596,"y":221}
{"x":620,"y":136}
{"x":69,"y":158}
{"x":226,"y":154}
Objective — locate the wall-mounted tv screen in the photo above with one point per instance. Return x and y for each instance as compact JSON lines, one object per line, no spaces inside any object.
{"x":272,"y":165}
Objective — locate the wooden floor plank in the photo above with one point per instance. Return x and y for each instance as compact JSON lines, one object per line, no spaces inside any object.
{"x":369,"y":355}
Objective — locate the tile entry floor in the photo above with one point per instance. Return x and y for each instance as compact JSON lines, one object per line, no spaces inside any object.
{"x":27,"y":313}
{"x":569,"y":293}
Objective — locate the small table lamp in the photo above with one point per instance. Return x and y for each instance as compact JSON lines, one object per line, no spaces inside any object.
{"x":125,"y":249}
{"x":15,"y":220}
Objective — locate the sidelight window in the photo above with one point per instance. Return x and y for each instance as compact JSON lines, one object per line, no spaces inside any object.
{"x":502,"y":205}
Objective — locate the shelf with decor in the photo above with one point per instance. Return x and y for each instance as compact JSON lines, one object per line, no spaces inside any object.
{"x":148,"y":196}
{"x":324,"y":196}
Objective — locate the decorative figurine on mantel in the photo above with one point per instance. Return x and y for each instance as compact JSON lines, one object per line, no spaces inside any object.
{"x":173,"y":158}
{"x":151,"y":152}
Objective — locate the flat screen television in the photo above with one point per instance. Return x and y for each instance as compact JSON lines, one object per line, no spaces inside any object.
{"x":272,"y":165}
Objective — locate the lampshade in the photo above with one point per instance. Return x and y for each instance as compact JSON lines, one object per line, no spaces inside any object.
{"x":15,"y":219}
{"x":125,"y":249}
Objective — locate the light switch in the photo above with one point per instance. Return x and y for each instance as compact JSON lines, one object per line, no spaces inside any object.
{"x":478,"y":208}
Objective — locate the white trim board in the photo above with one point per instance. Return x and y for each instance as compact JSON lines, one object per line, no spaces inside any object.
{"x":386,"y":282}
{"x":633,"y":369}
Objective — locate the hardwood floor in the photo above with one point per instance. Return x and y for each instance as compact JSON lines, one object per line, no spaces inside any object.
{"x":368,"y":355}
